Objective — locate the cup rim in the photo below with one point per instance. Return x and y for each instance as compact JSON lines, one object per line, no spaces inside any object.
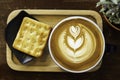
{"x":70,"y":18}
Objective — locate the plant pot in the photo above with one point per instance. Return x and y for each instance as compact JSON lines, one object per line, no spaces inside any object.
{"x":112,"y":25}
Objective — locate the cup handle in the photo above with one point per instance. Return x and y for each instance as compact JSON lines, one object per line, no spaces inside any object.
{"x":110,"y":48}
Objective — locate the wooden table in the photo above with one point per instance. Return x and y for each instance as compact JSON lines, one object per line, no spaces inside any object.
{"x":110,"y":68}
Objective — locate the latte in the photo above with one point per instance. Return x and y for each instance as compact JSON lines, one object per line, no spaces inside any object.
{"x":76,"y":44}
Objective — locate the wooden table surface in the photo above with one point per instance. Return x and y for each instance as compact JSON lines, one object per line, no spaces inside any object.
{"x":110,"y":68}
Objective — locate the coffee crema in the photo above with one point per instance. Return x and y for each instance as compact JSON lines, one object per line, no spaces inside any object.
{"x":76,"y":44}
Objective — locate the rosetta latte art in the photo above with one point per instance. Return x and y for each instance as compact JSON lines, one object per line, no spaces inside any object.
{"x":75,"y":43}
{"x":73,"y":40}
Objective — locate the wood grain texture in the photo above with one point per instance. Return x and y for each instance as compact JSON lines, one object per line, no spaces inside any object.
{"x":110,"y":68}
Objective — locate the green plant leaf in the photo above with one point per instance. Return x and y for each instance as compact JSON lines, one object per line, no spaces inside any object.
{"x":110,"y":11}
{"x":102,"y":10}
{"x":103,"y":2}
{"x":116,"y":21}
{"x":115,"y":1}
{"x":118,"y":14}
{"x":110,"y":19}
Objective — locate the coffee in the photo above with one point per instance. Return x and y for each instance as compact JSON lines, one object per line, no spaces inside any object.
{"x":76,"y":44}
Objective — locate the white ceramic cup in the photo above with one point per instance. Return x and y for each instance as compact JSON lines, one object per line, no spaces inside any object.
{"x":99,"y":31}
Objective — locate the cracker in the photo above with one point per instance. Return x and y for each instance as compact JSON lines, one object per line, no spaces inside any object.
{"x":32,"y":37}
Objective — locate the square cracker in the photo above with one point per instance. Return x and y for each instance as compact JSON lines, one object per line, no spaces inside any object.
{"x":31,"y":37}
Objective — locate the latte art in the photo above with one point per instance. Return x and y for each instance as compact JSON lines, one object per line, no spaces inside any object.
{"x":73,"y":42}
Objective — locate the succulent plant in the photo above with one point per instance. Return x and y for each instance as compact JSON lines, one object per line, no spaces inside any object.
{"x":111,"y":9}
